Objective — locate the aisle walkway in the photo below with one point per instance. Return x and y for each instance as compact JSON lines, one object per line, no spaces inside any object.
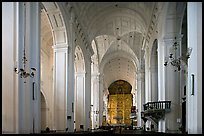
{"x":108,"y":132}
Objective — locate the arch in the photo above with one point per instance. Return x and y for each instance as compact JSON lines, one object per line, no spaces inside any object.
{"x":79,"y":60}
{"x":55,"y":15}
{"x":173,"y":15}
{"x":57,"y":23}
{"x":129,"y":42}
{"x":120,"y":87}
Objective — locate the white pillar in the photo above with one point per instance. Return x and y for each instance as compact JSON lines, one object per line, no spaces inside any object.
{"x":87,"y":103}
{"x":101,"y":93}
{"x":194,"y":100}
{"x":148,"y":92}
{"x":133,"y":91}
{"x":60,"y":86}
{"x":172,"y":87}
{"x":71,"y":76}
{"x":34,"y":43}
{"x":10,"y":55}
{"x":106,"y":107}
{"x":28,"y":15}
{"x":147,"y":76}
{"x":140,"y":96}
{"x":134,"y":98}
{"x":79,"y":100}
{"x":154,"y":76}
{"x":161,"y":80}
{"x":95,"y":83}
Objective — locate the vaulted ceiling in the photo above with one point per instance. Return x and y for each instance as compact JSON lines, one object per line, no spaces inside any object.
{"x":118,"y":30}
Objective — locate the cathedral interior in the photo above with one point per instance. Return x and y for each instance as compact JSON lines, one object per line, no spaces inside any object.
{"x":108,"y":67}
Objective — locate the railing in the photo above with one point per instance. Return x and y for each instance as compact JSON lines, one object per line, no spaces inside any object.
{"x":157,"y":105}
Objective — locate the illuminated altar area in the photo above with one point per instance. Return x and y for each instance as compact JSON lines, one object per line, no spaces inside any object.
{"x":119,"y":103}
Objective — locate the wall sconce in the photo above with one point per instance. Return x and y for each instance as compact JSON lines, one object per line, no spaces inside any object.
{"x":22,"y":71}
{"x":174,"y":60}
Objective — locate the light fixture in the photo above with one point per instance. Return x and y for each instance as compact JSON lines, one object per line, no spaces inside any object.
{"x":174,"y":60}
{"x":22,"y":71}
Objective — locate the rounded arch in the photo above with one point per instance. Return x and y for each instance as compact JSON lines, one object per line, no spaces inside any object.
{"x":173,"y":14}
{"x":120,"y":87}
{"x":79,"y":61}
{"x":154,"y":53}
{"x":53,"y":11}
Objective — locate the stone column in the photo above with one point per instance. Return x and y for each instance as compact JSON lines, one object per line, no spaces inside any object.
{"x":154,"y":78}
{"x":29,"y":88}
{"x":71,"y":74}
{"x":134,"y":99}
{"x":34,"y":42}
{"x":12,"y":47}
{"x":101,"y":93}
{"x":87,"y":103}
{"x":133,"y":91}
{"x":148,"y":92}
{"x":140,"y":96}
{"x":172,"y":88}
{"x":79,"y":100}
{"x":161,"y":80}
{"x":194,"y":88}
{"x":105,"y":106}
{"x":60,"y":86}
{"x":147,"y":76}
{"x":95,"y":83}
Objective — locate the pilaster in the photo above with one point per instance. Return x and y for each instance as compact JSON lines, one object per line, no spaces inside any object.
{"x":60,"y":86}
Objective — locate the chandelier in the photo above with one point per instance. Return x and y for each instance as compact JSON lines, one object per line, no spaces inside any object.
{"x":177,"y":61}
{"x":22,"y":71}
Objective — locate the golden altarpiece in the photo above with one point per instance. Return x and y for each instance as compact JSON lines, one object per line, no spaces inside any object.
{"x":119,"y":103}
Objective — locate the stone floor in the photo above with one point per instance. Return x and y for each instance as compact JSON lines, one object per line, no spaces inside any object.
{"x":108,"y":132}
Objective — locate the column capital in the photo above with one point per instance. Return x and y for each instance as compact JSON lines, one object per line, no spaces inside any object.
{"x":80,"y":73}
{"x":60,"y":46}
